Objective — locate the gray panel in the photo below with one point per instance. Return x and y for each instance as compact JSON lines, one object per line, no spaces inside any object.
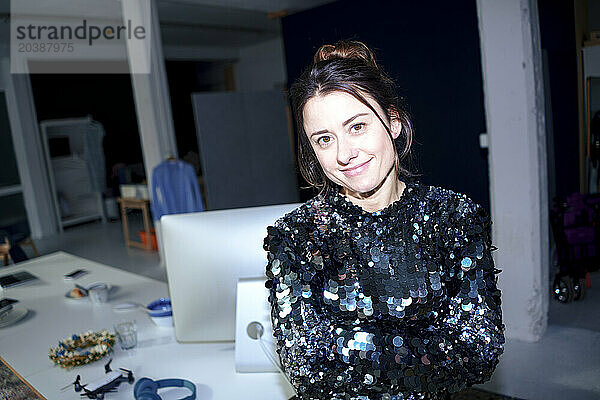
{"x":245,"y":149}
{"x":273,"y":163}
{"x":222,"y":148}
{"x":594,"y":96}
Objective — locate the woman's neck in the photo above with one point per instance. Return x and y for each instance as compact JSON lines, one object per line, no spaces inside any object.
{"x":385,"y":194}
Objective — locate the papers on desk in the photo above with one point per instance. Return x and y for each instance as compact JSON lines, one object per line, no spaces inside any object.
{"x":16,"y":279}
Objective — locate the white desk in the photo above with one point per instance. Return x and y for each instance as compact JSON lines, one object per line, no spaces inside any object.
{"x":52,"y":317}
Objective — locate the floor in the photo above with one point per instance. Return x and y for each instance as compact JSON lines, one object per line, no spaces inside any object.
{"x":583,"y":314}
{"x":105,"y":243}
{"x":564,"y":364}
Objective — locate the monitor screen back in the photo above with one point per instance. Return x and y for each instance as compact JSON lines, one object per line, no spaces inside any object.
{"x":205,"y":255}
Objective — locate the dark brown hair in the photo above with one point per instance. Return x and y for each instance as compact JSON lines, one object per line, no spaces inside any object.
{"x":348,"y":66}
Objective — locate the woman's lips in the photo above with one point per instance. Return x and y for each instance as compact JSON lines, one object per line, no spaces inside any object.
{"x":359,"y":169}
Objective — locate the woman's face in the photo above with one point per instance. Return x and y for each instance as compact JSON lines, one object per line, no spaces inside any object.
{"x":351,"y":144}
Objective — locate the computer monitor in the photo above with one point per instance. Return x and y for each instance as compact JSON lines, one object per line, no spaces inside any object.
{"x":206,"y":254}
{"x":255,"y":348}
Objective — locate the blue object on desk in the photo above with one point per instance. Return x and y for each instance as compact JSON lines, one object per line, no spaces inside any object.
{"x":160,"y":308}
{"x":146,"y":388}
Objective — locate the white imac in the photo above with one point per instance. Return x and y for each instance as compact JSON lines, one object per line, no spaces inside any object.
{"x":206,"y":254}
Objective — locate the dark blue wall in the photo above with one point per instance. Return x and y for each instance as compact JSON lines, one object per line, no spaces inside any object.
{"x":431,"y":49}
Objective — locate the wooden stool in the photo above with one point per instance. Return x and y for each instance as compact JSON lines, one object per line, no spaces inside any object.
{"x":138,"y":204}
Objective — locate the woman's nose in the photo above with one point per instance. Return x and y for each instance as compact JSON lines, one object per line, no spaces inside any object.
{"x":346,"y":152}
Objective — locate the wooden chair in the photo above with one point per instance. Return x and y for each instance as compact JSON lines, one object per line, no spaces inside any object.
{"x":29,"y":242}
{"x":17,"y":231}
{"x":5,"y":247}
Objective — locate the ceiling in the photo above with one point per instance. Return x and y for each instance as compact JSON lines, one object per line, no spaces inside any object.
{"x":224,"y":23}
{"x":264,"y":6}
{"x":186,"y":24}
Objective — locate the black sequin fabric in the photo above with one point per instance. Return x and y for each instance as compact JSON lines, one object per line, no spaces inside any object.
{"x":397,"y":304}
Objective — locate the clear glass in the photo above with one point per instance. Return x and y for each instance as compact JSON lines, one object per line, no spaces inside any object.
{"x":98,"y":293}
{"x":126,"y":332}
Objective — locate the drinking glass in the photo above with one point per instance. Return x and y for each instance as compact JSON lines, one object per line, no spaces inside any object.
{"x":98,"y":293}
{"x":126,"y":334}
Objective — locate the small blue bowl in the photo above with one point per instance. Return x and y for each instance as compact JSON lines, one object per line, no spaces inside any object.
{"x":160,"y":308}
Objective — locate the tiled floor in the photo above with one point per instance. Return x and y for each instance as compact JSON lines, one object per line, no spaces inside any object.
{"x":564,"y":365}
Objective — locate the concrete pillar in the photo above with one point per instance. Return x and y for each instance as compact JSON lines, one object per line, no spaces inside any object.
{"x":150,"y":89}
{"x":514,"y":102}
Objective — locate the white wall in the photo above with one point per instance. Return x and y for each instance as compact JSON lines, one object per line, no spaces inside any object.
{"x":261,"y":67}
{"x":513,"y":90}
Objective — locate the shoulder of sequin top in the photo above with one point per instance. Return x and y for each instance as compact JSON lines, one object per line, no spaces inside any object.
{"x":415,"y":192}
{"x":451,"y":202}
{"x":328,"y":208}
{"x":298,"y":216}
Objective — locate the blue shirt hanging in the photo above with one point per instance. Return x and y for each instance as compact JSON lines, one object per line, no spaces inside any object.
{"x":175,"y":189}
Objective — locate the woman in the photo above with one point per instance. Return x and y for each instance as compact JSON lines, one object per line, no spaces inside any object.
{"x":380,"y":287}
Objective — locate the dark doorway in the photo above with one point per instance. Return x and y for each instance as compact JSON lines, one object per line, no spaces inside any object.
{"x":108,"y":98}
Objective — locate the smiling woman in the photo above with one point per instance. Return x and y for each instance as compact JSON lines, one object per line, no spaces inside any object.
{"x":349,"y":68}
{"x":381,"y":288}
{"x":355,"y":153}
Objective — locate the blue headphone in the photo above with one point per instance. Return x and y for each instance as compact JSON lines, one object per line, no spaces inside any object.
{"x":146,"y":388}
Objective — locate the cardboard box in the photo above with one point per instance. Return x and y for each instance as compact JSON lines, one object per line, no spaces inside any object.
{"x":128,"y":191}
{"x":134,"y":191}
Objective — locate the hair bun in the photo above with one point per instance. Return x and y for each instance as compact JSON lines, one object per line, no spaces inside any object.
{"x":349,"y":49}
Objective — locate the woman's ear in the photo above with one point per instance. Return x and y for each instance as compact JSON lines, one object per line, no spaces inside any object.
{"x":395,"y":124}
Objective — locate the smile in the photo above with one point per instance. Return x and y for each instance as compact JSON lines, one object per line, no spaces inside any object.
{"x":359,"y":169}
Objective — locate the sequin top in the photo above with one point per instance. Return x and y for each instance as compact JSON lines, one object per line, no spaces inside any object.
{"x":397,"y":304}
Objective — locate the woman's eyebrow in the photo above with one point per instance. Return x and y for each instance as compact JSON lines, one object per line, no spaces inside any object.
{"x":319,"y":132}
{"x":343,"y":124}
{"x":353,"y":118}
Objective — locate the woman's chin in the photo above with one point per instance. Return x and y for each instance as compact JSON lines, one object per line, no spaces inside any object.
{"x":364,"y":190}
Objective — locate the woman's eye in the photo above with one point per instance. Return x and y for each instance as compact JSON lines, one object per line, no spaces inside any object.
{"x":357,"y":127}
{"x":323,"y":141}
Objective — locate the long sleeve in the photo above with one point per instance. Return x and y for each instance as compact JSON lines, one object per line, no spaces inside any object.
{"x":462,"y":343}
{"x":302,"y":331}
{"x":473,"y":317}
{"x":452,"y":341}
